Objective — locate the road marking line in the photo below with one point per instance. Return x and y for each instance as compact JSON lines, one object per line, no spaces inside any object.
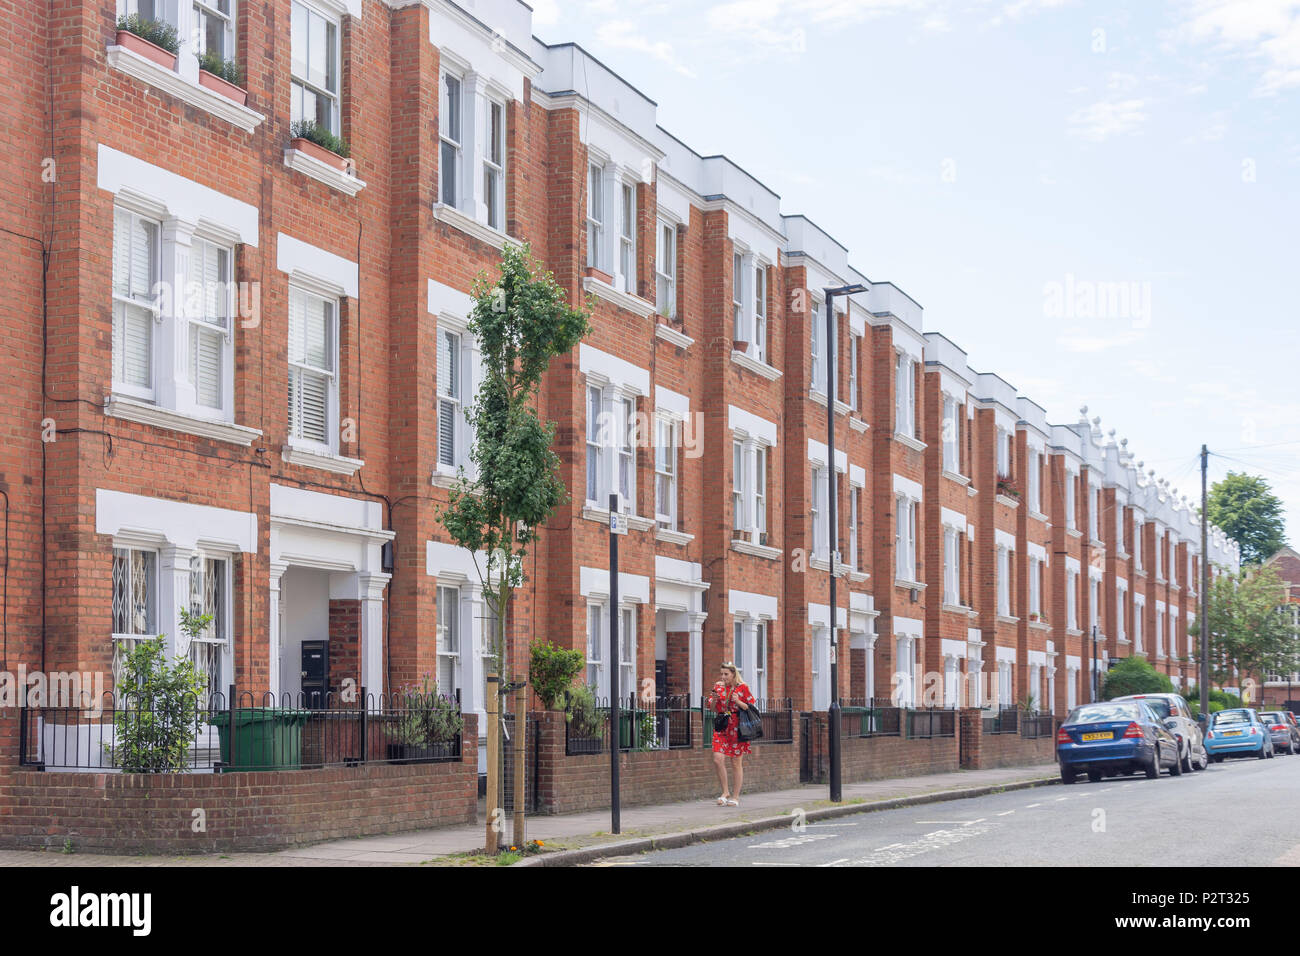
{"x":1006,"y":813}
{"x":1058,"y":799}
{"x":769,"y":863}
{"x":1032,"y":805}
{"x":980,"y":820}
{"x":834,"y":862}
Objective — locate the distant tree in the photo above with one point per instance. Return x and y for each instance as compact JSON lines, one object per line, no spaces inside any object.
{"x":1245,"y":507}
{"x":1250,"y":633}
{"x":1134,"y":675}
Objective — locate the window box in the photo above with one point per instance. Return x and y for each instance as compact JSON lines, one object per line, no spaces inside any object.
{"x":591,"y":272}
{"x":321,"y":153}
{"x":229,"y":90}
{"x":740,"y":345}
{"x":150,"y":51}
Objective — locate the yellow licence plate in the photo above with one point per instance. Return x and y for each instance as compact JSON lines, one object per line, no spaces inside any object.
{"x":1108,"y":735}
{"x":1232,"y":733}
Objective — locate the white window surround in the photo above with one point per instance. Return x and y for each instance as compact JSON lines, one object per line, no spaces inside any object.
{"x":905,"y":422}
{"x":469,"y":371}
{"x":666,"y":267}
{"x":184,"y":212}
{"x":182,"y":80}
{"x":478,"y":91}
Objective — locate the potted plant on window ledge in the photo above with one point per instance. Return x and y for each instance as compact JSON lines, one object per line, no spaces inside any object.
{"x":319,"y":143}
{"x":222,"y":76}
{"x":1007,"y":486}
{"x":152,"y":39}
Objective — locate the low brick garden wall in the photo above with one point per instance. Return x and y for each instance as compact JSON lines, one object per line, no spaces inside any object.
{"x":156,"y":813}
{"x":1012,"y":750}
{"x":581,"y":782}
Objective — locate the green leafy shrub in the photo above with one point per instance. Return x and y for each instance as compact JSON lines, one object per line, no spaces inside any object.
{"x":158,"y":715}
{"x":427,"y":717}
{"x":228,"y":70}
{"x":155,"y":31}
{"x":552,"y":670}
{"x":585,"y":719}
{"x":313,"y":133}
{"x":1134,"y":675}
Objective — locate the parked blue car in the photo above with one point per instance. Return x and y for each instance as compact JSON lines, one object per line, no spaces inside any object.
{"x":1111,"y":737}
{"x":1238,"y":733}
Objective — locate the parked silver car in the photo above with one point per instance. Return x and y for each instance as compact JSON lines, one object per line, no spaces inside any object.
{"x":1174,"y":713}
{"x":1283,"y":729}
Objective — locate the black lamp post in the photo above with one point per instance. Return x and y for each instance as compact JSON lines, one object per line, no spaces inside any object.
{"x":834,"y":715}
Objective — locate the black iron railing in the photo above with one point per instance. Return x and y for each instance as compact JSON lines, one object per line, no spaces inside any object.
{"x":1005,"y":721}
{"x":271,"y":733}
{"x":871,"y":717}
{"x":1037,"y":725}
{"x":778,"y":721}
{"x":659,"y":724}
{"x":931,"y":722}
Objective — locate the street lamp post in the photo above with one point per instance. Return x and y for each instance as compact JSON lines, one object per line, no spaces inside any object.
{"x":834,"y":715}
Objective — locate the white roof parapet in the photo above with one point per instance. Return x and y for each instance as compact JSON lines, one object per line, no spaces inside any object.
{"x":1033,"y":415}
{"x":944,"y":353}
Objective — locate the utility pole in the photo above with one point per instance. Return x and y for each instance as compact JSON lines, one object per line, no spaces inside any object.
{"x":1205,"y":587}
{"x":617,"y":526}
{"x":1096,"y":674}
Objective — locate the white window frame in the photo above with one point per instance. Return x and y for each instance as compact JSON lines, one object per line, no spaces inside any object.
{"x":1139,"y":611}
{"x":1003,"y":446}
{"x":758,"y":347}
{"x":951,"y":566}
{"x":855,"y":349}
{"x":332,"y":96}
{"x":131,"y":298}
{"x":760,"y":658}
{"x":226,"y":20}
{"x":1072,"y":600}
{"x":451,"y":140}
{"x":1033,"y":478}
{"x":666,"y":471}
{"x":217,"y":635}
{"x":448,"y":641}
{"x":751,"y":470}
{"x":451,"y":405}
{"x":1138,"y":525}
{"x":818,"y":513}
{"x":666,"y":268}
{"x":905,"y":515}
{"x":331,"y":442}
{"x":905,"y":395}
{"x":1094,"y":511}
{"x":218,"y":303}
{"x":597,"y":676}
{"x":494,"y":167}
{"x":950,"y":432}
{"x":855,"y":495}
{"x":627,"y":264}
{"x":739,"y":313}
{"x":124,"y":641}
{"x":595,"y":222}
{"x":1035,"y":586}
{"x":612,"y":445}
{"x":1071,"y":510}
{"x":1003,"y":574}
{"x":1121,"y":611}
{"x":817,"y":328}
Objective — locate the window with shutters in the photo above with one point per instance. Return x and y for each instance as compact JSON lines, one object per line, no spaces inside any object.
{"x":448,"y":641}
{"x":136,"y":259}
{"x":135,"y":600}
{"x":449,"y":401}
{"x":314,"y":58}
{"x":666,"y":269}
{"x":313,"y":385}
{"x":210,"y":340}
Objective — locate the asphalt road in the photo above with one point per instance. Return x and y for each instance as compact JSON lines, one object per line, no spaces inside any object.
{"x":1242,"y":812}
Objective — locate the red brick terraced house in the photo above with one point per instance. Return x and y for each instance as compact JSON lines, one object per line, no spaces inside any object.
{"x":277,"y":447}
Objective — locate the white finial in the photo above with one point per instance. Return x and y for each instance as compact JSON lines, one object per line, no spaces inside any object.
{"x":1083,"y":410}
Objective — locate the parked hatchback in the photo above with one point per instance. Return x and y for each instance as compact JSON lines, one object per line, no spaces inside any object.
{"x":1237,"y":733}
{"x":1173,"y":711}
{"x":1113,"y":737}
{"x":1282,"y":728}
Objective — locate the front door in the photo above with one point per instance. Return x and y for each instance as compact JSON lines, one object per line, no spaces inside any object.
{"x":315,"y":673}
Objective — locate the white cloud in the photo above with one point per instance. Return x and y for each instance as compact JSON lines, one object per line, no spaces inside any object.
{"x":1267,"y":31}
{"x":625,"y":35}
{"x":1107,"y":118}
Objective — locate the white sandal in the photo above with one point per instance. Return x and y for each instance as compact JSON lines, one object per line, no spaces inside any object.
{"x":733,"y":803}
{"x":721,"y":801}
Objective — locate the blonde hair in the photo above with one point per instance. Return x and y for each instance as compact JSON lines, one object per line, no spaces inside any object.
{"x":731,"y":666}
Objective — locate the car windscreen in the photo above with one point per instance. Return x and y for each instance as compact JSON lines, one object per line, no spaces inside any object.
{"x":1226,"y":717}
{"x":1095,"y":713}
{"x":1272,"y":717}
{"x":1159,"y":705}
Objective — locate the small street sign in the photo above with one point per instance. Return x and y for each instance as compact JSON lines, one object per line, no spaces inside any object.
{"x":617,"y":523}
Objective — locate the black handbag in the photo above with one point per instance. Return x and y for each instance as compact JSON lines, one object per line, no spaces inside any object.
{"x":750,"y":726}
{"x":721,"y":720}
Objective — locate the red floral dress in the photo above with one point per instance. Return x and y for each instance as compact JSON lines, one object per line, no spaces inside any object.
{"x":728,"y":742}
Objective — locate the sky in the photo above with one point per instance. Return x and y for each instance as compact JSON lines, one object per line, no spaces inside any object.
{"x":1098,"y":201}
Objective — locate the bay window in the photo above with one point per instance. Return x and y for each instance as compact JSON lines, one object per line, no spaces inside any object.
{"x":1035,"y":587}
{"x":598,"y":676}
{"x":210,"y":649}
{"x":738,"y":486}
{"x":1137,"y":542}
{"x":1139,"y":612}
{"x":135,"y":602}
{"x":449,"y":137}
{"x":314,"y":67}
{"x":1003,"y":453}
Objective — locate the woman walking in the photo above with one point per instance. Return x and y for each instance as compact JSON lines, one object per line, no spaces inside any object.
{"x":730,"y":696}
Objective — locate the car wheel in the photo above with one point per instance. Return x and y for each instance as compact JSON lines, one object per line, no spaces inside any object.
{"x":1205,"y":760}
{"x":1067,"y":773}
{"x":1187,"y":761}
{"x":1094,"y":775}
{"x":1153,"y":765}
{"x":1176,"y":768}
{"x":1263,"y":751}
{"x":1271,"y":751}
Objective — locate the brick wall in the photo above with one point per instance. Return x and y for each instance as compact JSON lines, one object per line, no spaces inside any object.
{"x":155,"y":813}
